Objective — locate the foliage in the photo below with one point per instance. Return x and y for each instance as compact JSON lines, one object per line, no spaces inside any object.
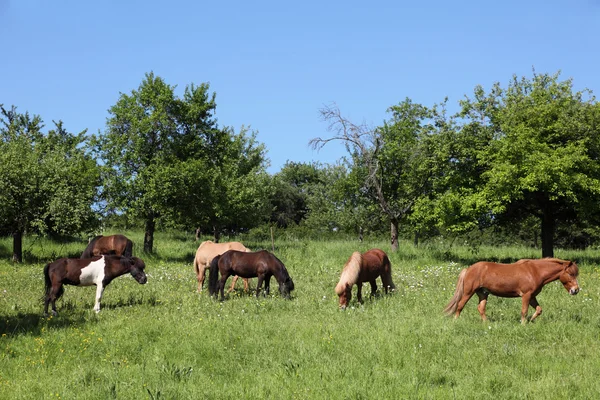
{"x":49,"y":181}
{"x":542,"y":154}
{"x":168,"y":162}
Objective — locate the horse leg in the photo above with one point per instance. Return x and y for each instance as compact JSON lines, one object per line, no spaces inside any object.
{"x":54,"y":294}
{"x":267,"y":285}
{"x":538,"y":309}
{"x":373,"y":287}
{"x":201,"y":276}
{"x":222,"y":283}
{"x":483,"y":296}
{"x":359,"y":291}
{"x":525,"y":307}
{"x":233,"y":282}
{"x":246,"y":284}
{"x":462,"y":302}
{"x":99,"y":292}
{"x":261,"y":278}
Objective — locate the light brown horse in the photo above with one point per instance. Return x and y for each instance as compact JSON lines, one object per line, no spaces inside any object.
{"x":209,"y":250}
{"x":361,"y":268}
{"x":524,"y":279}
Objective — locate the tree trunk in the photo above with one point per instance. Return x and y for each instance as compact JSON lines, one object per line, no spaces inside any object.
{"x":149,"y":234}
{"x":416,"y":240}
{"x":17,"y":246}
{"x":394,"y":232}
{"x":216,"y":233}
{"x":547,"y":232}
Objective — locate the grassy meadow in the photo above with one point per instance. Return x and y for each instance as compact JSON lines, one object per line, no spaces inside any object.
{"x":163,"y":340}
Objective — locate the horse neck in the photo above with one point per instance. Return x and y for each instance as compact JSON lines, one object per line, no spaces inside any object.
{"x":551,"y":271}
{"x":115,"y":268}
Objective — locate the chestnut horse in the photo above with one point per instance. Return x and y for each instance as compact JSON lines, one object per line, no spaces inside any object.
{"x":116,"y":244}
{"x":361,"y":268}
{"x":98,"y":270}
{"x":261,"y":264}
{"x":524,"y":279}
{"x":209,"y":250}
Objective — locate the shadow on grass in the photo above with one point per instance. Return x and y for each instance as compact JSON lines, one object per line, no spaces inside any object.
{"x":32,"y":324}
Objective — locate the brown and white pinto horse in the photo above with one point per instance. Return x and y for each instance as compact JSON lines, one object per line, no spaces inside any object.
{"x":209,"y":250}
{"x":361,"y":268}
{"x":99,"y":271}
{"x":116,"y":244}
{"x":261,"y":264}
{"x":524,"y":279}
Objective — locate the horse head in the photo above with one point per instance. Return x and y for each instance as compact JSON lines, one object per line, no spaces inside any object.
{"x":568,"y":277}
{"x":136,"y":268}
{"x":345,"y":296}
{"x":286,"y":287}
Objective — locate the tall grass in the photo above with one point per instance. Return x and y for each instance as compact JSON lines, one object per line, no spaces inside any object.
{"x":164,"y":340}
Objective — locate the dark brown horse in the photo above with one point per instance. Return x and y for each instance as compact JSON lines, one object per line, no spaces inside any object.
{"x":116,"y":244}
{"x":261,"y":264}
{"x":366,"y":267}
{"x":524,"y":279}
{"x":99,"y":271}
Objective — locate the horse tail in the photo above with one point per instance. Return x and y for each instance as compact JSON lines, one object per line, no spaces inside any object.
{"x":386,"y":277}
{"x":349,"y":273}
{"x":128,"y":252}
{"x":47,"y":280}
{"x":453,"y":304}
{"x":214,"y":275}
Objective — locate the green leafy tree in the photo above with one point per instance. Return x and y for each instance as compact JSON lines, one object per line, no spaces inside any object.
{"x":543,"y":155}
{"x":49,"y":181}
{"x":167,"y":161}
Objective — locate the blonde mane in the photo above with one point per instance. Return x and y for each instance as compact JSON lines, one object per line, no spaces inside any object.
{"x":349,"y":273}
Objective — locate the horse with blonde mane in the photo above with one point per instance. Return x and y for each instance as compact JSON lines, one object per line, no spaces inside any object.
{"x":209,"y":250}
{"x":524,"y":279}
{"x":366,"y":267}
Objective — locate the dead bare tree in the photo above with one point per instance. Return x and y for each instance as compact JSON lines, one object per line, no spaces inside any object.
{"x":363,"y":142}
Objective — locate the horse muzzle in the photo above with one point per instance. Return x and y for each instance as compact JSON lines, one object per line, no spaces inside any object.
{"x":573,"y":291}
{"x":143,"y":280}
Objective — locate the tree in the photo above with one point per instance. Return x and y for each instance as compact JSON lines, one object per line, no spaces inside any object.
{"x":543,"y":156}
{"x":49,"y":183}
{"x":167,"y":161}
{"x":396,"y":159}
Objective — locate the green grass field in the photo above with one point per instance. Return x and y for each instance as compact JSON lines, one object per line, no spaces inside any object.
{"x":163,"y":340}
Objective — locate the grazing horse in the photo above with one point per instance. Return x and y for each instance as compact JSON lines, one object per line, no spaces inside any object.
{"x":209,"y":250}
{"x":524,"y":279}
{"x":261,"y":264}
{"x":361,"y":268}
{"x":116,"y":244}
{"x":98,"y":270}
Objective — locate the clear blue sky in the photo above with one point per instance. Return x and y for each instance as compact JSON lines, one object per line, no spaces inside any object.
{"x":273,"y":64}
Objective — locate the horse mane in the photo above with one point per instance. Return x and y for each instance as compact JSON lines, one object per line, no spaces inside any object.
{"x":349,"y":273}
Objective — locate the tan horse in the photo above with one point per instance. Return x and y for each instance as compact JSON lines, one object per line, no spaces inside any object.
{"x":209,"y":250}
{"x":524,"y":279}
{"x":361,"y":268}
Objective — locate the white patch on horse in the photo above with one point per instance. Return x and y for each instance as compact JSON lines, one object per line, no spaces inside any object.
{"x":93,"y":274}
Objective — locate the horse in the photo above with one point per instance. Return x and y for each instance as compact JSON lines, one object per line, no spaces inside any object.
{"x":116,"y":244}
{"x":261,"y":264}
{"x":97,"y":270}
{"x":366,"y":267}
{"x":524,"y":279}
{"x":209,"y":250}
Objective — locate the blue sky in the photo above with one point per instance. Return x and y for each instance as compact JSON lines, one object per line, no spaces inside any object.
{"x":274,"y":64}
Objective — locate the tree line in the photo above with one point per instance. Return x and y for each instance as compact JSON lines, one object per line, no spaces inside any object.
{"x":521,"y":159}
